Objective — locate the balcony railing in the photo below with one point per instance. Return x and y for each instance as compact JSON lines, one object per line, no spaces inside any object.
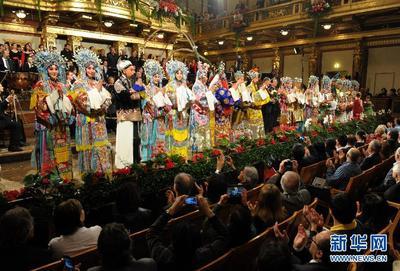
{"x":289,"y":11}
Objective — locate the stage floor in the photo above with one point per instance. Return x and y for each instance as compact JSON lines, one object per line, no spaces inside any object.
{"x":15,"y":165}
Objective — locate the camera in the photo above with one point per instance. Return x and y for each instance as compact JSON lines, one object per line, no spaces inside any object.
{"x":288,"y":165}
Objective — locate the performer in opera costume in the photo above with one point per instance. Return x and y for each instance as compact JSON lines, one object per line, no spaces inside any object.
{"x":200,"y":130}
{"x":52,"y":153}
{"x":242,"y":100}
{"x":129,"y":117}
{"x":298,"y":112}
{"x":156,"y":106}
{"x":178,"y":118}
{"x":311,"y":98}
{"x":223,"y":110}
{"x":91,"y":104}
{"x":259,"y":98}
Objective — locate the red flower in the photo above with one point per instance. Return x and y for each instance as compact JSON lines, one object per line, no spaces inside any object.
{"x":197,"y":157}
{"x":261,"y":142}
{"x":12,"y":194}
{"x":45,"y":181}
{"x":122,"y":171}
{"x":239,"y":149}
{"x":272,"y":141}
{"x":314,"y":133}
{"x":169,"y":164}
{"x":66,"y":181}
{"x":330,"y":130}
{"x":216,"y":152}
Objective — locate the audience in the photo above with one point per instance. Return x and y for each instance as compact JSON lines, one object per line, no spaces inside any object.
{"x":302,"y":155}
{"x":16,"y":229}
{"x":183,"y":185}
{"x":185,"y":251}
{"x":340,"y":177}
{"x":128,"y":210}
{"x":69,"y":219}
{"x":372,"y":155}
{"x":373,"y":213}
{"x":114,"y":247}
{"x":393,"y":192}
{"x":361,"y":137}
{"x":268,"y":209}
{"x":274,"y":255}
{"x":294,"y":198}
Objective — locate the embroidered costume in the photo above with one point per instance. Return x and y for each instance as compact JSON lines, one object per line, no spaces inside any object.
{"x":52,"y":154}
{"x":91,"y":104}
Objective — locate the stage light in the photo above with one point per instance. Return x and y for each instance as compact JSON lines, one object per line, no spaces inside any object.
{"x":108,"y":23}
{"x":146,"y":30}
{"x":336,"y":65}
{"x":21,"y":14}
{"x":249,"y":38}
{"x":206,"y":53}
{"x":86,"y":17}
{"x":133,"y":25}
{"x":327,"y":26}
{"x":221,"y":42}
{"x":160,"y":35}
{"x":284,"y":32}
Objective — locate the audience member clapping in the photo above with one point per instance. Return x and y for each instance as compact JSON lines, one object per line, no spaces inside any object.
{"x":294,"y":198}
{"x":338,"y":178}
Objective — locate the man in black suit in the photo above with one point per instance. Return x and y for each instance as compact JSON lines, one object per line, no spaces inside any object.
{"x":372,"y":156}
{"x":393,"y":192}
{"x":6,"y":123}
{"x":67,"y":52}
{"x":6,"y":64}
{"x":29,"y":66}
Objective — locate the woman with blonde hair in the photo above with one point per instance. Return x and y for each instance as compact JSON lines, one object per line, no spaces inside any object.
{"x":380,"y":132}
{"x":268,"y":209}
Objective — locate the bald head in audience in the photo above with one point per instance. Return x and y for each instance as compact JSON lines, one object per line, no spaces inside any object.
{"x":183,"y":184}
{"x":290,"y":182}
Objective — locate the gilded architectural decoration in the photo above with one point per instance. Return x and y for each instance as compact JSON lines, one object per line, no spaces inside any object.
{"x":119,"y":46}
{"x":75,"y":41}
{"x":313,"y":61}
{"x":49,"y":39}
{"x":276,"y":63}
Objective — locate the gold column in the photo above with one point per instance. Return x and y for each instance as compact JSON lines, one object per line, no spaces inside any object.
{"x":313,"y":62}
{"x":246,"y":62}
{"x":49,"y":40}
{"x":74,"y":41}
{"x":119,"y":46}
{"x":276,"y":63}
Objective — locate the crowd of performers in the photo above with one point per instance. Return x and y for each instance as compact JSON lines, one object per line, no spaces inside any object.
{"x":153,"y":119}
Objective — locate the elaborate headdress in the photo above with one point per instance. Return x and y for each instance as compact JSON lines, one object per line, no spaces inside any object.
{"x":326,"y":83}
{"x":286,"y":79}
{"x":238,"y":75}
{"x":86,"y":57}
{"x":221,"y":67}
{"x":202,"y":69}
{"x":44,"y":59}
{"x":347,"y":84}
{"x":339,"y":81}
{"x":152,"y":67}
{"x":173,"y":66}
{"x":312,"y":81}
{"x":253,"y":74}
{"x":123,"y":64}
{"x":297,"y":80}
{"x":355,"y":84}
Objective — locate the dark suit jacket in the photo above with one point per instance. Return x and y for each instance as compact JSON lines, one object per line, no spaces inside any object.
{"x":144,"y":264}
{"x":312,"y":267}
{"x":10,"y":64}
{"x":393,"y":193}
{"x":26,"y":68}
{"x":370,"y":161}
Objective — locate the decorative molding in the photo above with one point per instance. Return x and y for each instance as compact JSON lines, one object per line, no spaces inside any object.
{"x":104,"y":36}
{"x":303,"y":42}
{"x":383,"y":42}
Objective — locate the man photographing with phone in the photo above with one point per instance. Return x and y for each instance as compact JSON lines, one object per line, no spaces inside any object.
{"x":185,"y":251}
